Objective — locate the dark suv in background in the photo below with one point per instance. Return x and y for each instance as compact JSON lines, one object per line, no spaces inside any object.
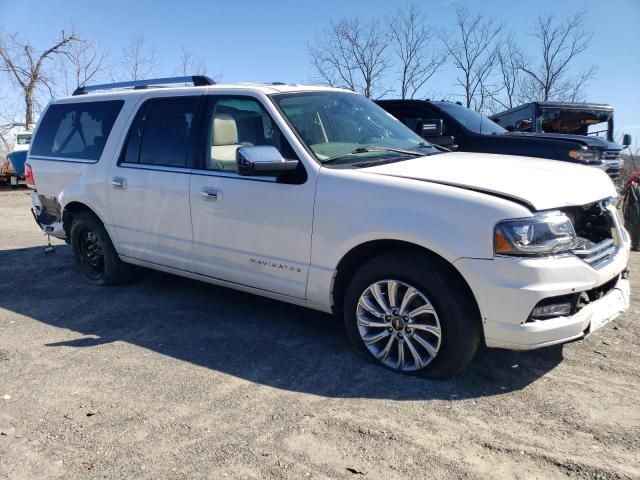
{"x":456,"y":127}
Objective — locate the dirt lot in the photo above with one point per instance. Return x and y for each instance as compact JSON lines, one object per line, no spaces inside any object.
{"x":172,"y":378}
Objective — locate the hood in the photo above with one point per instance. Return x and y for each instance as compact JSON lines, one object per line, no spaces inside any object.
{"x":540,"y":184}
{"x":586,"y":140}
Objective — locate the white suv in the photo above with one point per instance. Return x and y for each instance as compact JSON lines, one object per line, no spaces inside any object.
{"x":318,"y":197}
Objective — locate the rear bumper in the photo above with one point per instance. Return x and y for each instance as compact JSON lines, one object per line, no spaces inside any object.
{"x":10,"y":179}
{"x":49,"y":222}
{"x":507,"y":290}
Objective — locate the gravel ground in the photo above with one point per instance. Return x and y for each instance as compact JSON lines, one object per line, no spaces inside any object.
{"x":172,"y":378}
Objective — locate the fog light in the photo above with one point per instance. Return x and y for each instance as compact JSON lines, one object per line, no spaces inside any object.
{"x":552,"y":310}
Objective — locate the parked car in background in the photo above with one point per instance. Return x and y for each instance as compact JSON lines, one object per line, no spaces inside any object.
{"x":566,"y":118}
{"x":454,"y":126}
{"x":12,"y":168}
{"x":586,"y":119}
{"x":316,"y":196}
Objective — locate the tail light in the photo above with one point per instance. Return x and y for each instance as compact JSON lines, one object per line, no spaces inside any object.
{"x":7,"y":168}
{"x":28,"y":176}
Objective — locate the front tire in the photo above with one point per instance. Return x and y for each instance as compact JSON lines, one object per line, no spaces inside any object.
{"x":408,"y":313}
{"x":94,"y":252}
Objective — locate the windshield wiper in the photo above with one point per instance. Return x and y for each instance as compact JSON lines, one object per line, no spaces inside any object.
{"x":342,"y":155}
{"x":368,"y":149}
{"x":431,"y":145}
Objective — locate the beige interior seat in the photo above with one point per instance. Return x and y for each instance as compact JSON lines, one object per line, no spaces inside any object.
{"x":224,"y":142}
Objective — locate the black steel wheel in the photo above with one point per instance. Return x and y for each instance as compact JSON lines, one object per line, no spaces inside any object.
{"x":95,"y":253}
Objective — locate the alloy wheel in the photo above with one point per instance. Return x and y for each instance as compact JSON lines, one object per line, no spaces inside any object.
{"x":399,"y":325}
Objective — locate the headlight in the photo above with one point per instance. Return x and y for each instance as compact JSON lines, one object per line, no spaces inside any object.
{"x":585,"y":155}
{"x":543,"y":234}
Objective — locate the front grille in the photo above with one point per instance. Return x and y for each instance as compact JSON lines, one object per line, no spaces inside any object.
{"x":612,"y":164}
{"x":610,"y":155}
{"x":614,"y":172}
{"x":594,"y":226}
{"x":598,"y":254}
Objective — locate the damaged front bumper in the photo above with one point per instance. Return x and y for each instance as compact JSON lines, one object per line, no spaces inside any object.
{"x":508,"y":289}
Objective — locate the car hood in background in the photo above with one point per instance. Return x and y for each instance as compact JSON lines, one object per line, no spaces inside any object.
{"x":541,"y":184}
{"x":585,"y":140}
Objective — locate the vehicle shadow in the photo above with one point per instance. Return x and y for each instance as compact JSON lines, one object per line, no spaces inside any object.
{"x":257,"y":339}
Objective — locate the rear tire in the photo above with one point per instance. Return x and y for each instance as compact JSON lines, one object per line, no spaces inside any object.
{"x":94,"y":252}
{"x":407,"y":312}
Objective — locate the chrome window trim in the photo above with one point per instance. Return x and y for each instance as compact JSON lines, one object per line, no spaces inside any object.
{"x":232,"y":175}
{"x":205,"y":173}
{"x":156,"y":168}
{"x":62,"y":159}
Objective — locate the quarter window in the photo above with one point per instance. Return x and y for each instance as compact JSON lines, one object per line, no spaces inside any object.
{"x":76,"y":130}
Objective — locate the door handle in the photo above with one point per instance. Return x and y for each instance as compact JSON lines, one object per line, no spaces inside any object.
{"x":119,"y":182}
{"x":211,"y":194}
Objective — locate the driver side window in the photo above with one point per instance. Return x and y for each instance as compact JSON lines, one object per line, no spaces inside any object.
{"x":236,"y":122}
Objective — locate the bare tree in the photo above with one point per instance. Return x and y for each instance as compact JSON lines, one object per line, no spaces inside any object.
{"x":412,"y":42}
{"x":559,"y":43}
{"x":11,"y":118}
{"x":138,"y":59}
{"x":352,"y":54}
{"x":86,"y":61}
{"x":5,"y":143}
{"x":6,"y":129}
{"x":509,"y":75}
{"x":26,"y":67}
{"x":190,"y":64}
{"x":473,"y":48}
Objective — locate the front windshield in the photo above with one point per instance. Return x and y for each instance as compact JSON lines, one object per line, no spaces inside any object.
{"x":576,"y":121}
{"x":471,"y":119}
{"x":340,"y":124}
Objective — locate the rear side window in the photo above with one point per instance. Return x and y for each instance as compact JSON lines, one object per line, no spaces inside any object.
{"x":76,"y":130}
{"x":161,"y":132}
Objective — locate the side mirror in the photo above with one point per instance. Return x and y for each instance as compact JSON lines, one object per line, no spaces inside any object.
{"x":626,"y":140}
{"x":431,"y":128}
{"x":263,"y":161}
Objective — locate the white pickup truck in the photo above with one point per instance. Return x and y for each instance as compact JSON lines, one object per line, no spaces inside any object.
{"x":318,"y":197}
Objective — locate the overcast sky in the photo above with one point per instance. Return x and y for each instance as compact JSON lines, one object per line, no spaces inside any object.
{"x":263,"y":41}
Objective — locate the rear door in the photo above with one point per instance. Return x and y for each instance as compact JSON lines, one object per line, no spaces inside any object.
{"x":149,"y":185}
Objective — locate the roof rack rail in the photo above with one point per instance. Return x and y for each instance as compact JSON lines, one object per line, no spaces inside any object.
{"x":196,"y":80}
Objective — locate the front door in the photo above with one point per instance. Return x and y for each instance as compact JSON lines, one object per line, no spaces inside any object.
{"x":149,"y":185}
{"x":253,"y":231}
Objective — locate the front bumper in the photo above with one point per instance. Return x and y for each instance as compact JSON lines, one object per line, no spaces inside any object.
{"x":507,"y":290}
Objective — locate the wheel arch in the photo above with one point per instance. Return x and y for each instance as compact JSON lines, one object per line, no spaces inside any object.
{"x":70,"y":210}
{"x":364,"y":252}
